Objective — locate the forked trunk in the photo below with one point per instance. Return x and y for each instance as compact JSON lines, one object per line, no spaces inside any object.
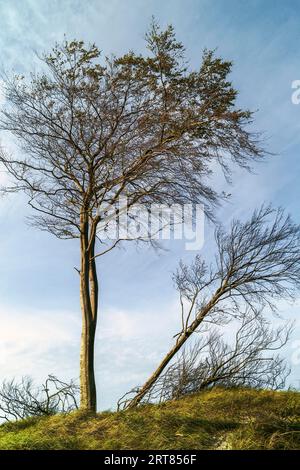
{"x":89,"y":307}
{"x":88,"y":397}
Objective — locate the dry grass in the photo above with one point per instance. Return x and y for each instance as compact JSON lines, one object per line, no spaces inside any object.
{"x":217,"y":419}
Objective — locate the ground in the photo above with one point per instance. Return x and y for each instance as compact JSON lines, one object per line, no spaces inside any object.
{"x":216,"y":419}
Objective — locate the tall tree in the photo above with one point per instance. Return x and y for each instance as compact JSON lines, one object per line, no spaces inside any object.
{"x":257,"y":263}
{"x":142,"y":126}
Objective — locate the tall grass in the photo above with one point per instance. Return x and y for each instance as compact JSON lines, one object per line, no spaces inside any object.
{"x":216,"y":419}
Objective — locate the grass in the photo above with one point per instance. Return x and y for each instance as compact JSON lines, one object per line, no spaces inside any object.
{"x":216,"y":419}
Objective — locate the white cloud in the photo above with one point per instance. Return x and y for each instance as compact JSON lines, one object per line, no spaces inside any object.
{"x":138,"y":323}
{"x":129,"y":345}
{"x":31,"y":341}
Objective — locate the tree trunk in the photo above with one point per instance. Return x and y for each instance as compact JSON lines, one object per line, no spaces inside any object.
{"x":179,"y":343}
{"x":89,"y":307}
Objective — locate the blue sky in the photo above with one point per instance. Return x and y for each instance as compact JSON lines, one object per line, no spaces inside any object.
{"x":39,"y":305}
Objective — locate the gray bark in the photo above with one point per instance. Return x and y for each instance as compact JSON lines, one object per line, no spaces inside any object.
{"x":89,"y":308}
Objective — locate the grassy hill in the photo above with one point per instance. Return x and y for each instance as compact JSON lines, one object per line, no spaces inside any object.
{"x":217,"y":419}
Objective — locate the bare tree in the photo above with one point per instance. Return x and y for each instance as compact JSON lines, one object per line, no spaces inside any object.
{"x":257,"y":263}
{"x":210,"y":361}
{"x":91,"y":130}
{"x":24,"y":399}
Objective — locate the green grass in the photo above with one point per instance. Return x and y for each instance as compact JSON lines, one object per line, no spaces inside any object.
{"x":217,"y":419}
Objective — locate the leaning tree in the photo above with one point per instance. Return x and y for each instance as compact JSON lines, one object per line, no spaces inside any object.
{"x":250,"y":360}
{"x":257,"y":263}
{"x":92,"y":129}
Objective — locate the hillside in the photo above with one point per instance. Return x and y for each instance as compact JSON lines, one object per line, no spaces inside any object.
{"x":218,"y":419}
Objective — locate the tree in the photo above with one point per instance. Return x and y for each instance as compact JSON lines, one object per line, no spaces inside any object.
{"x":22,"y":400}
{"x":91,"y":130}
{"x":257,"y":263}
{"x":210,"y":361}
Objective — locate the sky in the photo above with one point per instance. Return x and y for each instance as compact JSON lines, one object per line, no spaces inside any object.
{"x":138,"y":315}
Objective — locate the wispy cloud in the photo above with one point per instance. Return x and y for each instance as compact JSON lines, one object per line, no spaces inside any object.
{"x":35,"y":342}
